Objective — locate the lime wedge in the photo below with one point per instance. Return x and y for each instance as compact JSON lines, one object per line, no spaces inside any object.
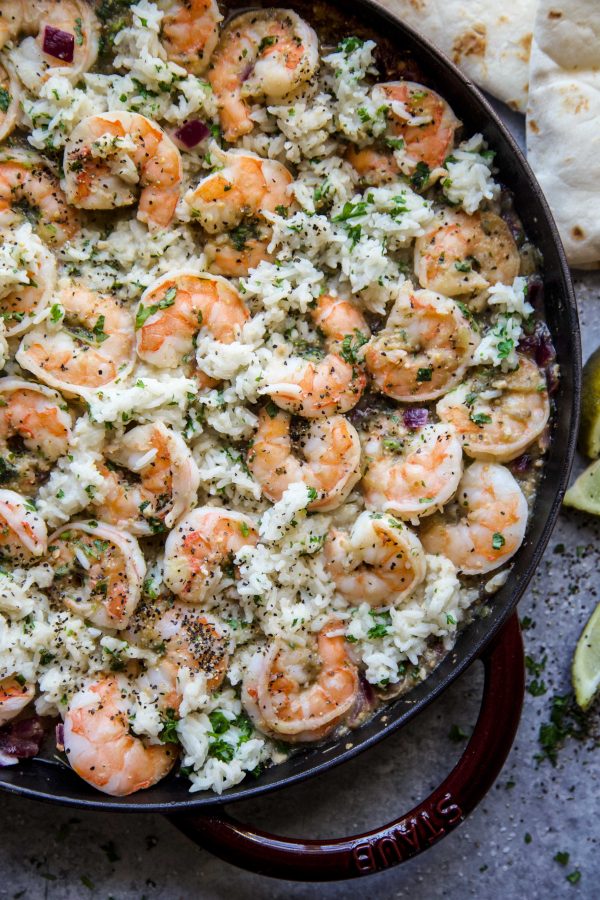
{"x":584,"y":493}
{"x":585,"y":671}
{"x":589,"y":430}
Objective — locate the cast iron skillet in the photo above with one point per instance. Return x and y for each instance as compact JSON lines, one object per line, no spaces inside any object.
{"x":496,"y":638}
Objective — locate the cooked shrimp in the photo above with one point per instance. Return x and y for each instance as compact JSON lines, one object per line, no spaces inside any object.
{"x":232,"y":200}
{"x":92,"y":348}
{"x":333,"y":384}
{"x":234,"y":253}
{"x":300,"y":693}
{"x":150,"y":481}
{"x":264,"y":53}
{"x":27,"y":188}
{"x":98,"y":572}
{"x":177,"y":307}
{"x":101,"y":748}
{"x":198,"y":547}
{"x":314,"y":389}
{"x":27,"y":279}
{"x":109,"y":156}
{"x":15,"y":694}
{"x":190,"y":31}
{"x":379,"y":562}
{"x":23,"y":535}
{"x":60,"y":38}
{"x":183,"y":636}
{"x":374,"y":167}
{"x":496,"y":415}
{"x":331,"y":458}
{"x":35,"y":430}
{"x":493,"y":526}
{"x":464,"y":254}
{"x":10,"y":98}
{"x":342,"y":323}
{"x":421,"y":126}
{"x":410,"y":473}
{"x":245,"y":186}
{"x":425,"y":348}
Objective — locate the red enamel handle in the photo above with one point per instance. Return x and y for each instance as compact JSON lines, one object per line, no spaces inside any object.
{"x":427,"y":823}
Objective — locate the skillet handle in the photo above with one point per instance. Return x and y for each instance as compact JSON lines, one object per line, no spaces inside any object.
{"x":437,"y":815}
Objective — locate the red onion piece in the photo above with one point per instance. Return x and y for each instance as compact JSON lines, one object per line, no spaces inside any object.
{"x":535,"y":291}
{"x":192,"y":133}
{"x":521,"y":464}
{"x":415,"y":417}
{"x":20,"y":740}
{"x":539,"y":345}
{"x":60,"y":44}
{"x":60,"y":736}
{"x":247,"y":72}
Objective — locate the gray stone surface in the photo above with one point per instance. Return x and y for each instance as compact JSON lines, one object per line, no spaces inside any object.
{"x":505,"y":849}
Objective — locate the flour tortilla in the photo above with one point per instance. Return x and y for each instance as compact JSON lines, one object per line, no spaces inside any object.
{"x":489,"y":40}
{"x":563,"y":121}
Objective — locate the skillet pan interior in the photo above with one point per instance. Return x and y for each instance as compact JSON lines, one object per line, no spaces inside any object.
{"x":400,"y":53}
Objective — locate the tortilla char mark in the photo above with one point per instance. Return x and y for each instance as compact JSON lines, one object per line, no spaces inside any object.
{"x":472,"y":42}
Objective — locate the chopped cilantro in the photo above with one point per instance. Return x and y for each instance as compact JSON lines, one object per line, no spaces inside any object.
{"x":393,"y":444}
{"x":322,"y":190}
{"x":168,"y":734}
{"x":420,"y":176}
{"x":56,"y":312}
{"x":480,"y":418}
{"x":349,"y":45}
{"x":383,"y":621}
{"x":463,"y":266}
{"x":566,"y":720}
{"x":533,"y":667}
{"x":354,"y":232}
{"x":505,"y":348}
{"x":221,"y":750}
{"x":537,"y":688}
{"x":144,"y":312}
{"x":267,"y":41}
{"x":245,"y":726}
{"x":78,"y":32}
{"x":424,"y":374}
{"x":457,"y":734}
{"x":219,"y":722}
{"x":95,"y":335}
{"x":395,"y":143}
{"x":498,"y":540}
{"x":351,"y":211}
{"x":245,"y":232}
{"x":351,"y":345}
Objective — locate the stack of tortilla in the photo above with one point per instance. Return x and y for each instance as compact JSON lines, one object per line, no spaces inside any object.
{"x":541,"y":57}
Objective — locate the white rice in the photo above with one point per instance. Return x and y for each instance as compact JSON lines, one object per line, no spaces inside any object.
{"x":498,"y":346}
{"x":469,"y":181}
